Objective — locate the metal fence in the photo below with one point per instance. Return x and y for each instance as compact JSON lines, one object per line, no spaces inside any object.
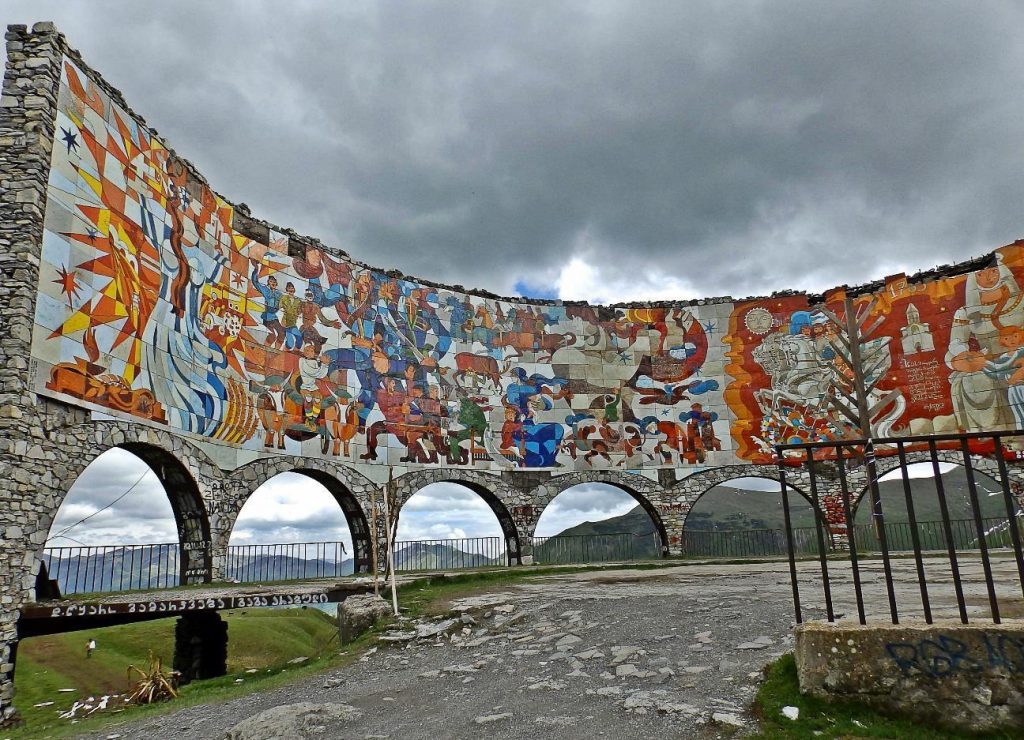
{"x":732,"y":543}
{"x":468,"y":552}
{"x":595,"y":548}
{"x":128,"y":567}
{"x":101,"y":568}
{"x":932,"y":535}
{"x":746,"y":543}
{"x":287,"y":561}
{"x":862,"y":454}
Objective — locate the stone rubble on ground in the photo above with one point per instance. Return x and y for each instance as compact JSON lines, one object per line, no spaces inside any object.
{"x":301,"y":720}
{"x":637,"y":680}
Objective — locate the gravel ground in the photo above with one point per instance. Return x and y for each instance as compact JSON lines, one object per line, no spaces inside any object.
{"x":618,"y":654}
{"x":675,"y":652}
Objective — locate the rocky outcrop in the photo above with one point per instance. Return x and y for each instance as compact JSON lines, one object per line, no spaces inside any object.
{"x":295,"y":722}
{"x":356,"y":614}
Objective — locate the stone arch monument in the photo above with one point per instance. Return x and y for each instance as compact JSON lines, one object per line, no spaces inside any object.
{"x":139,"y":308}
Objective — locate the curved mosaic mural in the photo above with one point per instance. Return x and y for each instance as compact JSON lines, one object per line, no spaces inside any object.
{"x":160,"y":300}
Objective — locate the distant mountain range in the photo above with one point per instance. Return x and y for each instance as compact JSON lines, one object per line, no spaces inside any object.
{"x":729,"y":508}
{"x":437,"y":556}
{"x":112,"y":568}
{"x":629,"y":536}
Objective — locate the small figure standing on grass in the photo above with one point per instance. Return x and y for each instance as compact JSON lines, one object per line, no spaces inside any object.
{"x":89,"y":647}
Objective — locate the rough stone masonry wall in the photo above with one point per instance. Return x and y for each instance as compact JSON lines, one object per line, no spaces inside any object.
{"x":961,"y":677}
{"x":27,"y":107}
{"x":44,"y":445}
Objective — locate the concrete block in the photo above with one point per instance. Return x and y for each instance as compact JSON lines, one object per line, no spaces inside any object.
{"x":959,"y":677}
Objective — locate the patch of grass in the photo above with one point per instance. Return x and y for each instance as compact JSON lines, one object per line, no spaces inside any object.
{"x":264,"y":639}
{"x":833,"y":719}
{"x":257,"y":638}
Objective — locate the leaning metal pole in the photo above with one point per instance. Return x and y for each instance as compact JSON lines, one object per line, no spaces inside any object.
{"x":390,"y":538}
{"x":374,"y":540}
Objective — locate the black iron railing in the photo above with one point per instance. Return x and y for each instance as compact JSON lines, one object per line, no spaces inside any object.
{"x":287,"y":561}
{"x":100,"y":568}
{"x":932,"y":535}
{"x":844,"y":457}
{"x":728,"y":543}
{"x":451,"y":554}
{"x":735,"y":543}
{"x":595,"y":548}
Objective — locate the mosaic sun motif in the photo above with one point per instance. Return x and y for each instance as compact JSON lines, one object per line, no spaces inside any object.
{"x":159,"y":301}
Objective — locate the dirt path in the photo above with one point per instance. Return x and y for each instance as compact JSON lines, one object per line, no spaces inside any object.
{"x":619,"y":654}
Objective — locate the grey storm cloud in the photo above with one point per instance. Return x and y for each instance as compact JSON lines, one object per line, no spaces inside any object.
{"x":117,"y":499}
{"x":718,"y":148}
{"x":735,"y":148}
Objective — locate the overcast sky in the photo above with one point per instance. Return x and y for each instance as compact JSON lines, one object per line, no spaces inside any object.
{"x":711,"y":148}
{"x":122,"y":502}
{"x":596,"y":150}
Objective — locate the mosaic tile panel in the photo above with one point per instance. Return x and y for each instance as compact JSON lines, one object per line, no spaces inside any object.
{"x":159,"y":301}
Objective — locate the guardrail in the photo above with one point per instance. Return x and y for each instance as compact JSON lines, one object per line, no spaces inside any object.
{"x":746,"y":543}
{"x":287,"y":562}
{"x":595,"y":548}
{"x":452,"y":554}
{"x":846,"y":456}
{"x":726,"y":543}
{"x":92,"y":568}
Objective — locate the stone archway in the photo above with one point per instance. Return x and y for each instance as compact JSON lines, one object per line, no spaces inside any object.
{"x":189,"y":479}
{"x":496,"y":493}
{"x":743,"y":541}
{"x":350,"y":489}
{"x":828,"y":509}
{"x":646,"y":492}
{"x":719,"y":480}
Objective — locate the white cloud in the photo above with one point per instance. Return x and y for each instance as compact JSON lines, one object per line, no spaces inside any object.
{"x":143,"y":516}
{"x":446,"y":511}
{"x":918,"y":470}
{"x":580,"y":280}
{"x":591,"y":502}
{"x":753,"y":484}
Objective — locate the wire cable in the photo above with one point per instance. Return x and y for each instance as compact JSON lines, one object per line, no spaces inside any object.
{"x":131,"y":488}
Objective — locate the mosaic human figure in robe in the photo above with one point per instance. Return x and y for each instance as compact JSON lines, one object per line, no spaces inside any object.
{"x":156,"y":301}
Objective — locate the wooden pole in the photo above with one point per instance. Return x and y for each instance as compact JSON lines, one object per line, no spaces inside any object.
{"x":390,"y":537}
{"x":374,"y":540}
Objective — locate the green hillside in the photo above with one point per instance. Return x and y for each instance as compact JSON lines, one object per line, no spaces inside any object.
{"x":48,"y":664}
{"x":724,"y":507}
{"x":926,"y":500}
{"x":635,"y":521}
{"x":629,"y":536}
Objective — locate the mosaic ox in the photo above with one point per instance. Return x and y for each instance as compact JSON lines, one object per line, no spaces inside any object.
{"x":160,"y":301}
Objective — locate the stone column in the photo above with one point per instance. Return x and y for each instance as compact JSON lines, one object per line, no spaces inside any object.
{"x":200,"y":646}
{"x":524,"y":518}
{"x":379,"y":530}
{"x":219,"y":505}
{"x":830,"y":501}
{"x":8,"y":650}
{"x":27,"y":120}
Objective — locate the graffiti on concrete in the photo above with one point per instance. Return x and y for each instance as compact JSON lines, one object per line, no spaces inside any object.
{"x":943,"y":655}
